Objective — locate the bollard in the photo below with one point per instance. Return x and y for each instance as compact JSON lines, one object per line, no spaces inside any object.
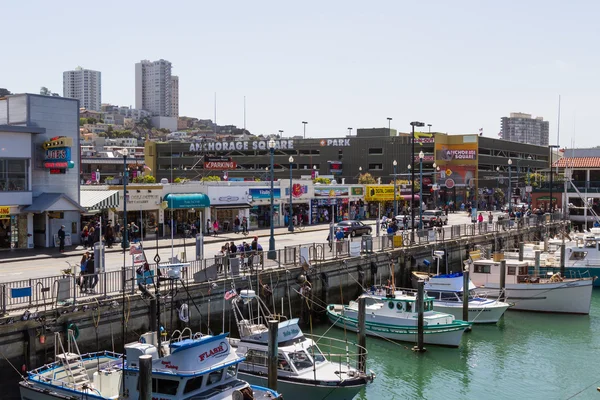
{"x":502,"y":280}
{"x":362,"y":338}
{"x":465,"y":304}
{"x":521,"y":250}
{"x":536,"y":268}
{"x":272,"y":354}
{"x":421,"y":309}
{"x":145,"y":377}
{"x":562,"y":260}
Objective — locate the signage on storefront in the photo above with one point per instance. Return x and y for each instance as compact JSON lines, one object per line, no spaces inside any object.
{"x":58,"y":153}
{"x":228,"y":199}
{"x":263,"y":194}
{"x":379,"y":193}
{"x":357,"y":191}
{"x":220,"y":165}
{"x":331,"y":191}
{"x":297,"y":190}
{"x":335,"y":142}
{"x":232,"y":145}
{"x":4,"y":211}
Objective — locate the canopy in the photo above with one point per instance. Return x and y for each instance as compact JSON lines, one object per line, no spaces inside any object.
{"x":99,"y":199}
{"x":187,"y":200}
{"x":53,"y":202}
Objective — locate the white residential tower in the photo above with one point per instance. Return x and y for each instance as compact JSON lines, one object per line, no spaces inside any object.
{"x":85,"y":86}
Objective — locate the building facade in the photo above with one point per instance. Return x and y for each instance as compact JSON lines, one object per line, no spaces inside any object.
{"x":174,"y":96}
{"x":153,"y":90}
{"x":39,"y":172}
{"x":522,"y":128}
{"x":84,"y":85}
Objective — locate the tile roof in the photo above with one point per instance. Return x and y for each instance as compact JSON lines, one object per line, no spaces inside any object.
{"x":578,"y":162}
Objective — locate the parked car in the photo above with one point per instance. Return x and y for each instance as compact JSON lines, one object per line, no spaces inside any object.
{"x":429,"y":216}
{"x":353,"y":228}
{"x":400,"y":219}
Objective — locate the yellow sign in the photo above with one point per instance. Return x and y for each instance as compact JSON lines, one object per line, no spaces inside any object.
{"x":448,"y":172}
{"x":4,"y":211}
{"x":420,"y":135}
{"x":380,"y":193}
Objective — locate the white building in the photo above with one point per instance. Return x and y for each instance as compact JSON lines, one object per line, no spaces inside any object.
{"x":522,"y":128}
{"x":175,"y":96}
{"x":153,"y":91}
{"x":85,"y":86}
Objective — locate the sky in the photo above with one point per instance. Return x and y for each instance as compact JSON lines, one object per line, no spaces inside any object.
{"x":457,"y":65}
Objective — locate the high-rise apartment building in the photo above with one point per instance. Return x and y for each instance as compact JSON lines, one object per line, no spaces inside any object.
{"x":153,"y":91}
{"x":85,"y":86}
{"x":523,"y":128}
{"x":174,"y":96}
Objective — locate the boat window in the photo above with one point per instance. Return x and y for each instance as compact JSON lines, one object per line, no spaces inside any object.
{"x":165,"y":386}
{"x":214,"y":377}
{"x":434,"y":294}
{"x":193,"y":384}
{"x":300,"y":360}
{"x":522,"y":270}
{"x":511,"y":271}
{"x":578,"y":255}
{"x":409,"y":307}
{"x":448,"y":296}
{"x":231,"y":371}
{"x":316,"y":354}
{"x":481,"y":269}
{"x":391,"y":305}
{"x":282,"y":363}
{"x":399,"y":306}
{"x":256,"y":357}
{"x":429,"y":305}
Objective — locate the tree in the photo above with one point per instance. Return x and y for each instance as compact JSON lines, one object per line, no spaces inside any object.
{"x":44,"y":91}
{"x":322,"y":180}
{"x":82,"y":121}
{"x":366,"y":179}
{"x":535,"y":179}
{"x":499,"y":195}
{"x":92,"y":121}
{"x":4,"y":92}
{"x":145,"y":122}
{"x":211,"y":178}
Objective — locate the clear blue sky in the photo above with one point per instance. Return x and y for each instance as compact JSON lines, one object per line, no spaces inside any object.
{"x":459,"y":65}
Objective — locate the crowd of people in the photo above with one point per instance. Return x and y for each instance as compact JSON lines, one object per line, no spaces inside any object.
{"x":242,"y":251}
{"x":111,"y":234}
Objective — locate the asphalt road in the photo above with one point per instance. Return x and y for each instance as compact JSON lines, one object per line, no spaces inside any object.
{"x":43,"y":267}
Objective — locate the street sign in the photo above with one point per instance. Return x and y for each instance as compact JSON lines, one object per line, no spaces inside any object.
{"x":448,"y":172}
{"x":528,"y":189}
{"x":449,"y":183}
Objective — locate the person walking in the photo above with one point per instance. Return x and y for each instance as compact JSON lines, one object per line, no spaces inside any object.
{"x":61,"y":239}
{"x":215,"y":227}
{"x":245,"y":225}
{"x":208,"y":226}
{"x":339,"y":237}
{"x":236,"y":225}
{"x":109,"y":235}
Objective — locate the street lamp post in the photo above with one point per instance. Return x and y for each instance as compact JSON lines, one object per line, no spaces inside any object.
{"x":497,"y":181}
{"x":421,"y":156}
{"x":389,"y":126}
{"x":429,"y":127}
{"x":349,"y":131}
{"x":125,"y":243}
{"x":272,"y":254}
{"x":552,"y":146}
{"x":291,"y":221}
{"x":412,"y":157}
{"x":528,"y":183}
{"x":304,"y":125}
{"x":395,"y":163}
{"x":434,"y":185}
{"x":509,"y":186}
{"x":281,"y":134}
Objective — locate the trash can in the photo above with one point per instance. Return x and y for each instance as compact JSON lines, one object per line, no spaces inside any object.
{"x":397,"y":241}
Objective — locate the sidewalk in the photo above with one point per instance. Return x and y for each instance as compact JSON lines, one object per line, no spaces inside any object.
{"x":47,"y":253}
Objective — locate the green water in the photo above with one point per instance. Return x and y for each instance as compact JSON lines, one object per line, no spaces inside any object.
{"x":525,"y":356}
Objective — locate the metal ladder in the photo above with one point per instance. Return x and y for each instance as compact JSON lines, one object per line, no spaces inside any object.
{"x":71,"y":361}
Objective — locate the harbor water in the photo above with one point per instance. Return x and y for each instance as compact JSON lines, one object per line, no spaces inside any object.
{"x":525,"y":356}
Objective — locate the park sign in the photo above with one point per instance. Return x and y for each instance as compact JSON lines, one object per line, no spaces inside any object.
{"x":231,"y":145}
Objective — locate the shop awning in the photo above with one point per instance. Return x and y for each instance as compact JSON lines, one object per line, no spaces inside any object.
{"x":187,"y":200}
{"x":231,"y":206}
{"x":53,"y":202}
{"x":99,"y":199}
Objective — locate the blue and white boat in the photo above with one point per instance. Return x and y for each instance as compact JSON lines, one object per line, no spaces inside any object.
{"x":187,"y":367}
{"x":447,"y":292}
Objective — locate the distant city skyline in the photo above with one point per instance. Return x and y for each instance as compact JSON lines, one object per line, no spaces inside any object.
{"x":459,"y":67}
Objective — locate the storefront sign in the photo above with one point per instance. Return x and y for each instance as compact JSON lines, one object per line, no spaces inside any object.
{"x":229,"y":199}
{"x":335,"y":142}
{"x":357,"y":191}
{"x":424,"y":140}
{"x":4,"y":211}
{"x":297,"y":190}
{"x":460,"y":155}
{"x":427,"y":157}
{"x":263,"y":194}
{"x":139,"y":201}
{"x":220,"y":165}
{"x":240,"y":145}
{"x":58,"y":153}
{"x":331,"y":191}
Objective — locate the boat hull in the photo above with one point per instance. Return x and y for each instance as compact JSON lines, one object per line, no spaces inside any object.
{"x":567,"y":297}
{"x":306,"y":390}
{"x":478,"y":315}
{"x":441,"y":335}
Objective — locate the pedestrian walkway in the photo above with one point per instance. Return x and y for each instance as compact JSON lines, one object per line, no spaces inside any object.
{"x":165,"y":242}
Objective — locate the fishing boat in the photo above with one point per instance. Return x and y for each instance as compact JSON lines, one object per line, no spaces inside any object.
{"x":304,"y":370}
{"x":394,"y":316}
{"x":187,"y":366}
{"x":447,"y":292}
{"x":528,"y":292}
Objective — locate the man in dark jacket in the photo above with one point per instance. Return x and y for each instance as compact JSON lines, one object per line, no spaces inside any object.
{"x":61,"y":239}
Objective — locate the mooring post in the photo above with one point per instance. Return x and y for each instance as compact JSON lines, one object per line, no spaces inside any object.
{"x":272,"y":354}
{"x":362,"y":338}
{"x":145,"y":377}
{"x":420,"y":309}
{"x":562,"y":260}
{"x":152,"y":325}
{"x":502,"y":280}
{"x":465,"y":295}
{"x":521,"y":250}
{"x":536,"y":268}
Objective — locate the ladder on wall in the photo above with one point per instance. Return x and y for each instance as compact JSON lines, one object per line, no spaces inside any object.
{"x":74,"y":368}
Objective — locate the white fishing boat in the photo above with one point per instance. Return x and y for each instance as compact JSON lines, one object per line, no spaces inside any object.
{"x":554,"y":294}
{"x":447,"y":292}
{"x":304,"y":371}
{"x":394,"y":316}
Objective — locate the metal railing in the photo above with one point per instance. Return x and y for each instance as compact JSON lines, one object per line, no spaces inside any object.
{"x":68,"y":289}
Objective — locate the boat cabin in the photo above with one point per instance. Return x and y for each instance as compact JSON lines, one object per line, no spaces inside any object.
{"x":487,"y":272}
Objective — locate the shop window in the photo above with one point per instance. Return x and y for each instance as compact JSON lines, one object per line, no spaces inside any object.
{"x":375,"y":166}
{"x":14,"y":175}
{"x":375,"y":151}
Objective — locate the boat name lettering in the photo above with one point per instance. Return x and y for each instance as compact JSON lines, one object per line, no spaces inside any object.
{"x":290,"y":332}
{"x":167,"y":364}
{"x":159,"y":398}
{"x":220,"y":349}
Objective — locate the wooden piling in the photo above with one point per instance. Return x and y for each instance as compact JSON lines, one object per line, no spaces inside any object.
{"x":145,"y":377}
{"x":362,"y":337}
{"x":272,"y":354}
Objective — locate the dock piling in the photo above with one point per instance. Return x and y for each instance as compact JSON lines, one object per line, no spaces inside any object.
{"x":272,"y":354}
{"x":362,"y":338}
{"x":536,"y":268}
{"x":502,"y":280}
{"x":521,"y":250}
{"x":465,"y":298}
{"x":145,"y":377}
{"x":421,"y":309}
